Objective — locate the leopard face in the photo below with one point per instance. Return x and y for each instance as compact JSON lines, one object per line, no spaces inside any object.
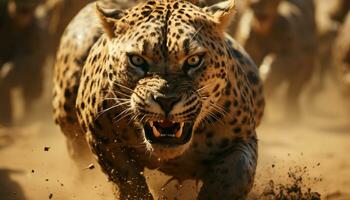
{"x":169,"y":63}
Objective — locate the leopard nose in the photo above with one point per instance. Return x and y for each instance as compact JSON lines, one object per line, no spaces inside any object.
{"x":167,"y":103}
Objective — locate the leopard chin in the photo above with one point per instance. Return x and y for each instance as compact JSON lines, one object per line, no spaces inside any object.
{"x":167,"y":139}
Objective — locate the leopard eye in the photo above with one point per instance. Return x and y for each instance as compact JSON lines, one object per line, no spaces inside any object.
{"x":138,"y":61}
{"x":193,"y":62}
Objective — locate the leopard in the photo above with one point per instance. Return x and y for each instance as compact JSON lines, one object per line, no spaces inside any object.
{"x":160,"y":86}
{"x":22,"y":58}
{"x":341,"y":59}
{"x":280,"y":36}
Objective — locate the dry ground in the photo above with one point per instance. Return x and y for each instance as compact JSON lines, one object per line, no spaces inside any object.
{"x":320,"y":141}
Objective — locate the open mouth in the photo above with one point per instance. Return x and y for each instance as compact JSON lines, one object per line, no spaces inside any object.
{"x":168,"y":132}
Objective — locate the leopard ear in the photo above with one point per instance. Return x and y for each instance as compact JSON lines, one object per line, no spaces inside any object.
{"x":110,"y":19}
{"x":222,"y":13}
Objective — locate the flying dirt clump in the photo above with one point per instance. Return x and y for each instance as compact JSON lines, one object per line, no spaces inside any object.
{"x":297,"y":187}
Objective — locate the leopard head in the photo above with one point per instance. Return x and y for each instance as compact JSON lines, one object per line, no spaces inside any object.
{"x":169,"y":60}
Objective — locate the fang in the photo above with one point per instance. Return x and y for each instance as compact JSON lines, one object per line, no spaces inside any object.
{"x":179,"y":132}
{"x":155,"y":132}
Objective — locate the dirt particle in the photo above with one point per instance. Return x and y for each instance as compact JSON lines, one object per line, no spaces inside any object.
{"x":46,"y":148}
{"x":297,"y":187}
{"x":50,"y":196}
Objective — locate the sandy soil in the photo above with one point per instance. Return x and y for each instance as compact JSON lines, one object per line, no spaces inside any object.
{"x":34,"y":163}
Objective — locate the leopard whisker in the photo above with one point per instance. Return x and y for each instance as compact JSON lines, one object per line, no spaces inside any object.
{"x":218,"y":108}
{"x":214,"y":116}
{"x":123,"y":86}
{"x":111,"y":108}
{"x":202,"y":88}
{"x":203,"y":94}
{"x":144,"y":116}
{"x":126,"y":111}
{"x":133,"y":118}
{"x":125,"y":95}
{"x":204,"y":118}
{"x":195,"y":34}
{"x":119,"y":92}
{"x":125,"y":115}
{"x":117,"y":99}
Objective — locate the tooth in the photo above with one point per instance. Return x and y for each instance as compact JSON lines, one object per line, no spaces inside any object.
{"x":166,"y":135}
{"x":155,"y":132}
{"x":179,"y":132}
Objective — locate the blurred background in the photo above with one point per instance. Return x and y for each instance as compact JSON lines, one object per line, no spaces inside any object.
{"x":301,"y":46}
